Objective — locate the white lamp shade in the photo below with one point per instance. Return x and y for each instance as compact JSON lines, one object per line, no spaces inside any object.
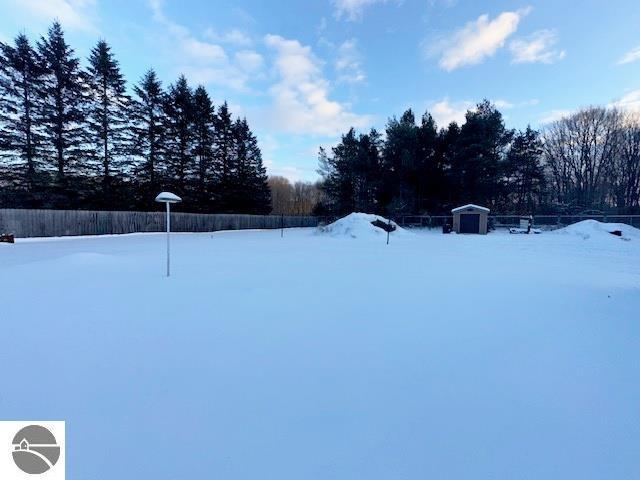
{"x":168,"y":197}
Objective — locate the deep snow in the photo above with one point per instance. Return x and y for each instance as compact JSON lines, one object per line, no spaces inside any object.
{"x":587,"y":229}
{"x":308,"y":357}
{"x":360,"y":225}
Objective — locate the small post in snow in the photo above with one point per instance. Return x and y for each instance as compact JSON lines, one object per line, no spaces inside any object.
{"x":388,"y":229}
{"x":281,"y":225}
{"x":168,"y":198}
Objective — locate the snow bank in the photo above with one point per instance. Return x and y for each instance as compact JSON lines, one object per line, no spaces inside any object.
{"x":587,"y":229}
{"x":358,"y":225}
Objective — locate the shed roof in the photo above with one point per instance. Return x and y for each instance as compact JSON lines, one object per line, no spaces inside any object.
{"x":470,"y":205}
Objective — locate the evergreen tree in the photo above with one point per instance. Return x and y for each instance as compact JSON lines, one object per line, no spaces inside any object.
{"x":401,"y":163}
{"x":63,"y":104}
{"x":179,"y":115}
{"x":353,"y":173}
{"x":430,"y":183}
{"x":223,"y":158}
{"x":250,"y":190}
{"x":481,"y":148}
{"x":107,"y":116}
{"x":148,"y":132}
{"x":21,"y":137}
{"x":447,"y":154}
{"x":524,"y":172}
{"x":368,"y":172}
{"x":338,"y":173}
{"x":203,"y":132}
{"x":70,"y":138}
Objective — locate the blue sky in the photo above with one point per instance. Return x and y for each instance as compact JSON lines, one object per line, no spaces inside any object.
{"x":304,"y":71}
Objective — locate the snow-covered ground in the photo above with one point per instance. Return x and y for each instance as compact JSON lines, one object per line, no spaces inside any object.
{"x":328,"y":357}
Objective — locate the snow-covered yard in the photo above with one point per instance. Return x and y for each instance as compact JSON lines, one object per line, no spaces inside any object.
{"x":320,"y":356}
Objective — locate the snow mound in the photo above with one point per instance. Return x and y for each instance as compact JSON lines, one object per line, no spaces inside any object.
{"x":359,"y":225}
{"x":587,"y":229}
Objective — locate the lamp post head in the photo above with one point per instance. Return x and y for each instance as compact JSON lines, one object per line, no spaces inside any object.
{"x":168,"y":197}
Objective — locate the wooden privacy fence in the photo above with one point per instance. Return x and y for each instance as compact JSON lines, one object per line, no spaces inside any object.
{"x":56,"y":223}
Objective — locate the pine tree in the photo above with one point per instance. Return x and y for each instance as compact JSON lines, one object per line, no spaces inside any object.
{"x":447,"y":154}
{"x":338,"y":173}
{"x":20,"y":76}
{"x":63,"y":105}
{"x":482,"y":144}
{"x":430,"y":175}
{"x":401,"y":163}
{"x":524,"y":172}
{"x":148,"y":130}
{"x":179,"y":116}
{"x":250,"y":191}
{"x":223,"y":159}
{"x":368,"y":173}
{"x":203,"y":132}
{"x":107,"y":116}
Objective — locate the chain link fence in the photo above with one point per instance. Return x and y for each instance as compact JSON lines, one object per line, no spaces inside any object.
{"x":548,"y":222}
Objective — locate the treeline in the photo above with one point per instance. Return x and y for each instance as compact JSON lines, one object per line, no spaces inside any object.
{"x":587,"y":161}
{"x":297,"y":198}
{"x":74,"y":137}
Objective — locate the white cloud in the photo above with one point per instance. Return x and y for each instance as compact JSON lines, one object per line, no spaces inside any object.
{"x":442,"y":3}
{"x":631,"y":56}
{"x":189,"y":45}
{"x":203,"y":61}
{"x":352,"y":10}
{"x":629,"y":102}
{"x":300,"y":95}
{"x":292,"y":173}
{"x":249,"y":61}
{"x":349,"y":64}
{"x":555,"y":115}
{"x":233,"y":37}
{"x":202,"y":51}
{"x":72,"y":14}
{"x":220,"y":76}
{"x":503,"y":104}
{"x":538,"y":47}
{"x":477,"y":40}
{"x":507,"y":105}
{"x":273,"y":159}
{"x":444,"y":112}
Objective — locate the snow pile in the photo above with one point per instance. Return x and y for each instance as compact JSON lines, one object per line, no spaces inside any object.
{"x":587,"y":229}
{"x":359,"y":225}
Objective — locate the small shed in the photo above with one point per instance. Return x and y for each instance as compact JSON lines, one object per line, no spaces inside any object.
{"x":470,"y":219}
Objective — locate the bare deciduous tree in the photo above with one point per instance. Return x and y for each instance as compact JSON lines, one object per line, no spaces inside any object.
{"x":581,"y":152}
{"x":297,"y":198}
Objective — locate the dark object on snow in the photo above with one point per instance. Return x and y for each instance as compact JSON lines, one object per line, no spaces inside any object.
{"x":617,"y":233}
{"x":387,"y":227}
{"x":447,"y":228}
{"x":8,"y":238}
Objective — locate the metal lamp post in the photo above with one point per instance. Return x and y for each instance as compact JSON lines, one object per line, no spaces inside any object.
{"x":168,"y":198}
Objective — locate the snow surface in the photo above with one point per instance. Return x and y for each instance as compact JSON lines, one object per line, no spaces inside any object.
{"x":309,"y":357}
{"x":358,"y":225}
{"x":587,"y":229}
